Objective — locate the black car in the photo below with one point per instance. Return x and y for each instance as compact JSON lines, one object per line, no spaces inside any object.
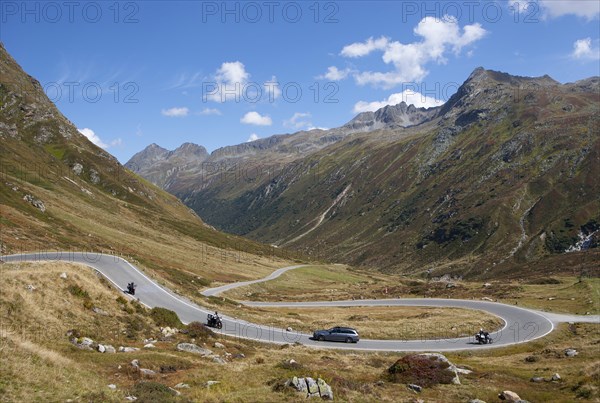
{"x":346,"y":334}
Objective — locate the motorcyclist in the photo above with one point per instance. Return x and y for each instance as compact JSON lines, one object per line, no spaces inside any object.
{"x":214,"y":320}
{"x":483,"y":334}
{"x":131,"y":288}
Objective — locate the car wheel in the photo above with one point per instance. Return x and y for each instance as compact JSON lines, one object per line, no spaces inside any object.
{"x":348,"y":340}
{"x":321,"y":338}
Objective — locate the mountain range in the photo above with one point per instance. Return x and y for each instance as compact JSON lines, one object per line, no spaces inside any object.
{"x":502,"y":175}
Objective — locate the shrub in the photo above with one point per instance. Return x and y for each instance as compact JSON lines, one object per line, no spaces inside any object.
{"x":165,"y":317}
{"x":95,"y":397}
{"x":197,"y":330}
{"x":338,"y":382}
{"x":139,"y":308}
{"x":77,"y":291}
{"x":204,"y":282}
{"x":133,"y":325}
{"x":421,"y":370}
{"x":544,"y":281}
{"x":154,"y":392}
{"x":290,"y":366}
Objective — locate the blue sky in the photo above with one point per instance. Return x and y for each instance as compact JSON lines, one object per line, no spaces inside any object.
{"x":129,"y":74}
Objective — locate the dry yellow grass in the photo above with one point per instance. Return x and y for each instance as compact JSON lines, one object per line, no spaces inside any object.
{"x":401,"y":323}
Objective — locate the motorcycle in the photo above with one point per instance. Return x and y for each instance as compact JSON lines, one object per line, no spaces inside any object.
{"x":483,"y":338}
{"x":131,"y":288}
{"x":214,"y":321}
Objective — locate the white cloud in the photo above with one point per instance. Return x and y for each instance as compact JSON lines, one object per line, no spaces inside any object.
{"x":93,"y":137}
{"x":272,"y":90}
{"x":439,"y":36}
{"x":581,"y":8}
{"x":210,"y":111}
{"x":335,"y":74}
{"x":229,"y":82}
{"x":232,"y":72}
{"x":410,"y":97}
{"x":253,"y":137}
{"x":588,"y":9}
{"x":175,"y":112}
{"x":298,"y":121}
{"x":255,"y":118}
{"x":582,"y":49}
{"x":361,"y":49}
{"x":116,"y":142}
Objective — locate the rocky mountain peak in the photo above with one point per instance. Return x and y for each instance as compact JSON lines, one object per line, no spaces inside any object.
{"x":481,"y":78}
{"x":190,"y":149}
{"x":390,"y":116}
{"x":485,"y":87}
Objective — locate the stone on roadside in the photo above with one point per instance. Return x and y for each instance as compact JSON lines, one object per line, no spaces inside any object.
{"x":218,"y":345}
{"x":99,"y":311}
{"x":84,"y":343}
{"x":325,"y":390}
{"x":169,"y":331}
{"x":128,"y":349}
{"x":509,"y":396}
{"x":218,"y":360}
{"x":192,"y":348}
{"x":147,"y":373}
{"x":313,"y":388}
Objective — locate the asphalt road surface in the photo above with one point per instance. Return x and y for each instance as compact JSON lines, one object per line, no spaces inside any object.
{"x":521,"y":325}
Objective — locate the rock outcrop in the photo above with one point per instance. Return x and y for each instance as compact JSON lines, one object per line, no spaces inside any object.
{"x":311,"y":388}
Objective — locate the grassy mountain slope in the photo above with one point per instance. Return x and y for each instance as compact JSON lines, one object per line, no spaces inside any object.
{"x":60,"y":191}
{"x":506,"y":174}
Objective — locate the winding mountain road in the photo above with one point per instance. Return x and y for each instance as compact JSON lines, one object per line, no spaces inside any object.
{"x":521,"y":325}
{"x":218,"y":290}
